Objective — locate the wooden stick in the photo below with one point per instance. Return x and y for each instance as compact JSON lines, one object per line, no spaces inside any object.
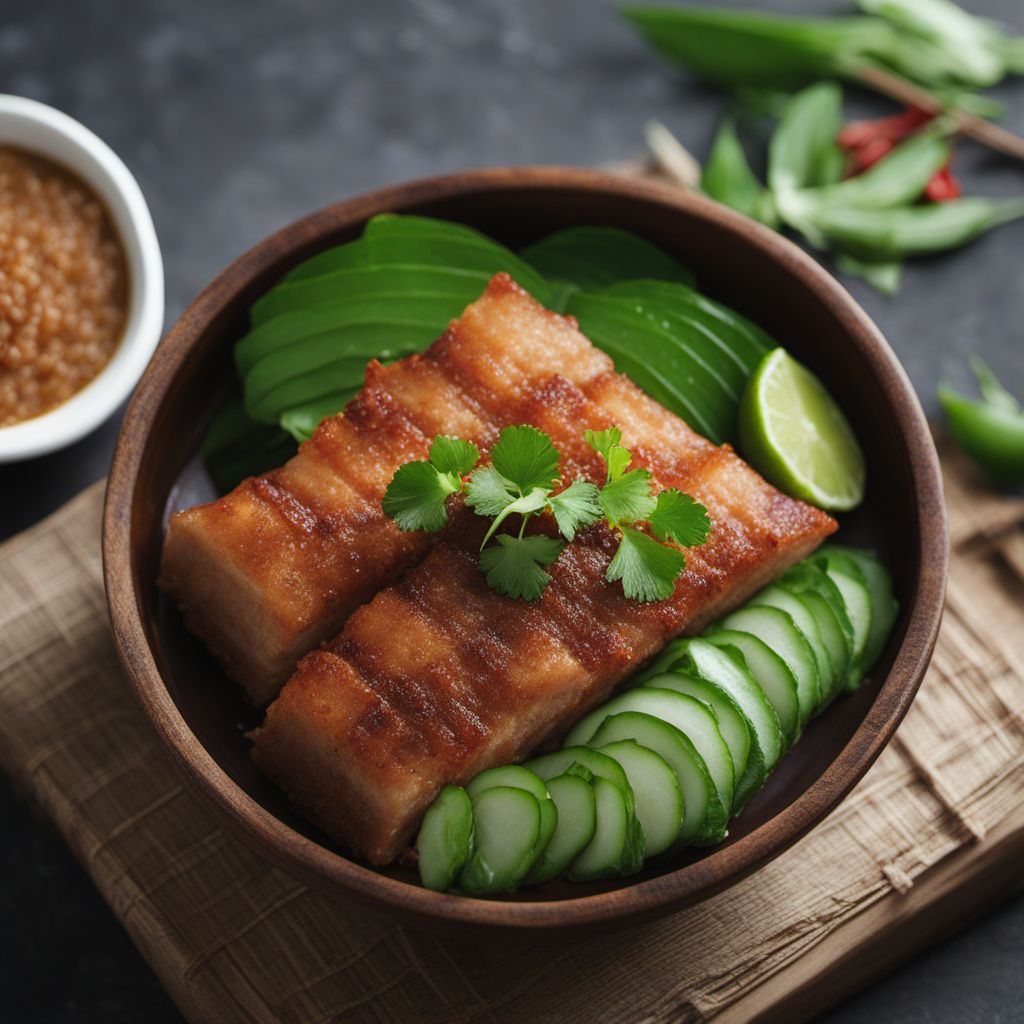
{"x":966,"y":123}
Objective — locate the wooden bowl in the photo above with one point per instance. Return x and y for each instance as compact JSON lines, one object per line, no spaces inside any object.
{"x":199,"y":717}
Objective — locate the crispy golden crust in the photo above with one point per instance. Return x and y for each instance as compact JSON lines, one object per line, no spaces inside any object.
{"x":272,"y":569}
{"x":480,"y":679}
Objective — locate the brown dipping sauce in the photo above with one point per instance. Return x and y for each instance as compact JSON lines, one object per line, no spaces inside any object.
{"x":63,"y":285}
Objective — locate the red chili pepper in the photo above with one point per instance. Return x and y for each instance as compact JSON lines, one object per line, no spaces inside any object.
{"x":942,"y":186}
{"x":861,"y":158}
{"x":894,"y":129}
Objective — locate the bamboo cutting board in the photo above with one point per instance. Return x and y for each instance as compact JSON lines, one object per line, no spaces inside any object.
{"x":933,"y":835}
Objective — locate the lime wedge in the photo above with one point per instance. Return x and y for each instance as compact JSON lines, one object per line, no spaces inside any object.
{"x":795,"y":434}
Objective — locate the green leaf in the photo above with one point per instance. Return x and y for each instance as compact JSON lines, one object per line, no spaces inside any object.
{"x":453,"y":455}
{"x":235,"y":448}
{"x":525,"y":457}
{"x":628,"y":498}
{"x":648,"y":570}
{"x":416,"y":496}
{"x":746,"y":48}
{"x":606,"y":444}
{"x":512,"y":565}
{"x":594,"y":257}
{"x":575,"y":507}
{"x":680,"y":518}
{"x":728,"y":178}
{"x":532,"y":501}
{"x":488,"y":492}
{"x":301,"y":421}
{"x":803,"y":152}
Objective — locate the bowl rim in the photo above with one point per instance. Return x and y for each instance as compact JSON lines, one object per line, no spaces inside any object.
{"x":45,"y":131}
{"x":325,"y":868}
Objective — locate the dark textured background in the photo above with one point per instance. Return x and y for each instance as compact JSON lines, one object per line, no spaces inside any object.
{"x":237,"y":117}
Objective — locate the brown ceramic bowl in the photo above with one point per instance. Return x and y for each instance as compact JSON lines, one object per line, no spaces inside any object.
{"x":199,"y":717}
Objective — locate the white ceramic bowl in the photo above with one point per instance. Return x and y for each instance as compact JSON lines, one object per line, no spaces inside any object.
{"x":40,"y":129}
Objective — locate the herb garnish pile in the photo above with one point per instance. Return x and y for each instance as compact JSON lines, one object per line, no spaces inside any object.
{"x":521,"y":480}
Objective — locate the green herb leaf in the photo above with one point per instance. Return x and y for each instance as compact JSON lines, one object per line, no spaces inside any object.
{"x":648,"y":570}
{"x":680,"y":518}
{"x":525,"y":457}
{"x":416,"y":496}
{"x":728,"y":178}
{"x":453,"y":455}
{"x":803,"y":151}
{"x":532,"y":501}
{"x":575,"y":507}
{"x":627,"y":498}
{"x":488,"y":492}
{"x":606,"y":444}
{"x":512,"y":565}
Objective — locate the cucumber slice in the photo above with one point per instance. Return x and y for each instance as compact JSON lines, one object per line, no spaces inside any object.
{"x":733,"y":724}
{"x":659,"y":800}
{"x":507,"y":826}
{"x":778,"y":596}
{"x":846,"y":574}
{"x":547,"y":766}
{"x":780,"y":633}
{"x":445,"y":840}
{"x":613,"y":849}
{"x":773,"y":675}
{"x":813,"y":585}
{"x":884,"y":606}
{"x":602,"y":766}
{"x":518,"y":777}
{"x":706,"y":661}
{"x":696,"y":721}
{"x":573,"y":797}
{"x":678,"y":752}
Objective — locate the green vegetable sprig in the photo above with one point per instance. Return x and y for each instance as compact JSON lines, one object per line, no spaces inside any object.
{"x":932,"y":43}
{"x":991,"y":428}
{"x":871,"y":222}
{"x":521,"y":481}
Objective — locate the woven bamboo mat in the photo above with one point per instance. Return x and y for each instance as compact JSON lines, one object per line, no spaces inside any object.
{"x":234,"y":939}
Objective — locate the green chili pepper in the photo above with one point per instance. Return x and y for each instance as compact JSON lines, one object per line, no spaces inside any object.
{"x":728,"y":178}
{"x":912,"y":230}
{"x":989,"y":429}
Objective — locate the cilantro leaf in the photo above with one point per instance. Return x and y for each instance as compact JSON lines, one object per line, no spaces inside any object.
{"x":575,"y":507}
{"x":487,"y":492}
{"x":453,"y":455}
{"x":648,"y":570}
{"x":416,"y":496}
{"x":530,"y":502}
{"x":606,"y":444}
{"x":512,"y":565}
{"x":680,"y":518}
{"x":627,"y":498}
{"x":526,"y":458}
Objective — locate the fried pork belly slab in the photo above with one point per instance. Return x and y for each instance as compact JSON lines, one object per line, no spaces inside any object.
{"x":274,"y":568}
{"x":439,"y":677}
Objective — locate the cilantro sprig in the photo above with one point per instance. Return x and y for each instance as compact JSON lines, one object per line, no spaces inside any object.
{"x":521,"y":480}
{"x":647,"y":567}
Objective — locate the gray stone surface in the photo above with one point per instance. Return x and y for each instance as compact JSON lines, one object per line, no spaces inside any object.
{"x":237,"y":117}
